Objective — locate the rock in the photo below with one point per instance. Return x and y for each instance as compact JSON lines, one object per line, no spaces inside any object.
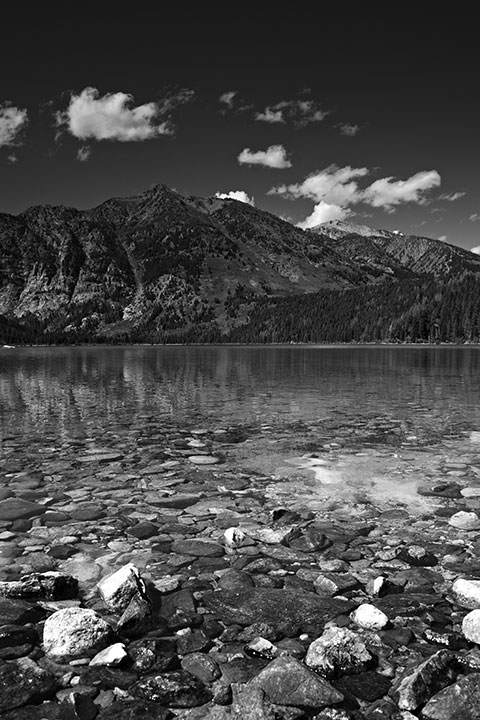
{"x":338,"y":651}
{"x":18,"y":612}
{"x":260,"y":647}
{"x":367,"y":686}
{"x":12,"y":635}
{"x":52,"y":585}
{"x":167,"y":583}
{"x":471,"y":626}
{"x":335,"y":583}
{"x":250,"y":702}
{"x":417,"y":556}
{"x":118,"y":588}
{"x":75,"y":633}
{"x":23,"y":681}
{"x":198,"y":548}
{"x":78,"y":706}
{"x":88,"y":511}
{"x":420,"y":683}
{"x":143,"y":530}
{"x":287,"y":610}
{"x":467,"y":593}
{"x":234,"y":537}
{"x":369,"y":617}
{"x":204,"y":459}
{"x":133,"y":710}
{"x":470,"y":492}
{"x":18,"y":509}
{"x":176,"y":689}
{"x":202,"y":666}
{"x":113,"y":655}
{"x":235,"y":580}
{"x":311,"y":540}
{"x":460,"y":701}
{"x":465,"y":520}
{"x":274,"y":536}
{"x":287,"y":681}
{"x":137,"y":617}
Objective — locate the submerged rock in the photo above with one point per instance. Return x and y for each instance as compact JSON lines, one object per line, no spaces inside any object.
{"x":420,"y":683}
{"x":23,"y":681}
{"x":287,"y":681}
{"x":460,"y":701}
{"x":52,"y":585}
{"x":338,"y":651}
{"x":178,"y":689}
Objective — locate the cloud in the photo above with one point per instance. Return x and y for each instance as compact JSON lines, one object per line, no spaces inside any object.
{"x":335,"y":190}
{"x":83,"y":154}
{"x":443,"y":238}
{"x":227,"y":98}
{"x":274,"y":156}
{"x":12,"y":159}
{"x":451,"y":197}
{"x":270,"y":116}
{"x":348,"y":129}
{"x":115,"y":117}
{"x":474,"y":217}
{"x":300,"y":112}
{"x":333,"y":186}
{"x":12,"y":121}
{"x":323,"y":212}
{"x":387,"y":192}
{"x":475,"y":250}
{"x":240,"y":195}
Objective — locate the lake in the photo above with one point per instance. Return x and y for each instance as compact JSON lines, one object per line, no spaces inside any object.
{"x":329,"y":422}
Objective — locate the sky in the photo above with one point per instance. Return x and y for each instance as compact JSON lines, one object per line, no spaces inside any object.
{"x":366,"y":112}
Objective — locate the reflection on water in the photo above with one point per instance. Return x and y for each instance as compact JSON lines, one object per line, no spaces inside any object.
{"x":72,"y":392}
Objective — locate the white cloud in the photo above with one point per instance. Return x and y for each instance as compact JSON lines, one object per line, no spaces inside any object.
{"x":274,"y":156}
{"x":451,"y":197}
{"x":335,"y":190}
{"x":348,"y":129}
{"x":115,"y":117}
{"x":83,"y":154}
{"x":387,"y":192}
{"x":333,"y":185}
{"x":270,"y":116}
{"x":443,"y":238}
{"x":12,"y":159}
{"x":323,"y":212}
{"x":474,"y":217}
{"x":475,"y":250}
{"x":300,"y":112}
{"x":240,"y":195}
{"x":12,"y":122}
{"x":227,"y":98}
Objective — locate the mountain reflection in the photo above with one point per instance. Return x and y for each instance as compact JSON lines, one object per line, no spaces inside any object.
{"x":73,"y":392}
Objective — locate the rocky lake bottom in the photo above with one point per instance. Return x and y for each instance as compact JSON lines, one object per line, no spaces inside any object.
{"x":325,"y":569}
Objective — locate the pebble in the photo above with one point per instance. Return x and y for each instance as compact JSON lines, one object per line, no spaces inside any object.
{"x":369,"y":617}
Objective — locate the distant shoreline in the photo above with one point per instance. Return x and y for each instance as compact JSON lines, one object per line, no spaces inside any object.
{"x":246,"y":345}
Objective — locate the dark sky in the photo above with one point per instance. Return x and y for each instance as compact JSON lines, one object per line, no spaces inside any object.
{"x":375,"y":106}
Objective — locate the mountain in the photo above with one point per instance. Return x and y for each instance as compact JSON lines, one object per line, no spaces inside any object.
{"x":421,"y":255}
{"x":161,"y":266}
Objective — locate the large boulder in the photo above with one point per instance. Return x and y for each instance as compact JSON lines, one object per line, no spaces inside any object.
{"x":74,"y":633}
{"x":460,"y":701}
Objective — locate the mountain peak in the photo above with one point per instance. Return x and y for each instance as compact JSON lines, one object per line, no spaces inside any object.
{"x":341,"y":228}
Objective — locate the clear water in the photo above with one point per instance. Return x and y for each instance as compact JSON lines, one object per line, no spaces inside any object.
{"x":395,"y":415}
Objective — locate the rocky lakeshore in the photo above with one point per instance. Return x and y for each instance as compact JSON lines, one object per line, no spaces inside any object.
{"x":156,"y":578}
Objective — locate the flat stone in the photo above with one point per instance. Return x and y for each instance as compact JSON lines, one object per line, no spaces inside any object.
{"x":176,"y":689}
{"x":338,"y":651}
{"x":75,"y":633}
{"x":133,"y":710}
{"x":52,"y":585}
{"x":204,"y":459}
{"x":18,"y":612}
{"x":23,"y":681}
{"x":286,"y":610}
{"x":287,"y":681}
{"x":417,"y":556}
{"x":112,"y":655}
{"x":367,"y":686}
{"x":202,"y":666}
{"x":460,"y":701}
{"x":18,"y":509}
{"x":424,"y":680}
{"x":89,"y":511}
{"x":198,"y":548}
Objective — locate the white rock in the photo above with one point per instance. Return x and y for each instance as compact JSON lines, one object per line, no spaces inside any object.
{"x":376,"y":586}
{"x":467,"y":593}
{"x":369,"y":617}
{"x":470,"y":492}
{"x":233,"y":537}
{"x":271,"y":536}
{"x":465,"y":520}
{"x":203,"y":459}
{"x":112,"y":655}
{"x":337,"y":650}
{"x":118,"y":589}
{"x":471,"y":626}
{"x":75,"y":633}
{"x":167,"y":583}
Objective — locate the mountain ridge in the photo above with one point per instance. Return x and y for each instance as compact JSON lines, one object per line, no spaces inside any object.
{"x":159,"y":263}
